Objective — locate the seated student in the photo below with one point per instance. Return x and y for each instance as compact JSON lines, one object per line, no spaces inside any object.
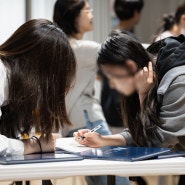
{"x":153,"y":94}
{"x":128,"y":13}
{"x":37,"y":67}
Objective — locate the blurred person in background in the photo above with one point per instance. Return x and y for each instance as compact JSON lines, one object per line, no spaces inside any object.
{"x":75,"y":17}
{"x":173,"y":24}
{"x":129,"y":13}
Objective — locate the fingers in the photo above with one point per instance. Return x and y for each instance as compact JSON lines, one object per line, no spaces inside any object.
{"x":150,"y":73}
{"x":78,"y":135}
{"x":147,"y":74}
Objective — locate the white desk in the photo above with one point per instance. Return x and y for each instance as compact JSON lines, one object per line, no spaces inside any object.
{"x":56,"y":170}
{"x":175,"y":166}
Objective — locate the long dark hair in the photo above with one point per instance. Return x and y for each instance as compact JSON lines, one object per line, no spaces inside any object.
{"x":117,"y":50}
{"x":42,"y":68}
{"x":66,"y":13}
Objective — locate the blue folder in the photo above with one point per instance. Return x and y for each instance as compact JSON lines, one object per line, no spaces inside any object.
{"x":124,"y":153}
{"x":38,"y":158}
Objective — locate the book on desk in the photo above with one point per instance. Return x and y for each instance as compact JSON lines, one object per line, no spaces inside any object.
{"x":67,"y":149}
{"x":38,"y":158}
{"x":115,"y":153}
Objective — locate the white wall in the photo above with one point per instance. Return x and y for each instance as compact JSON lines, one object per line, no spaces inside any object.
{"x":12,"y":15}
{"x":40,"y":9}
{"x":102,"y":22}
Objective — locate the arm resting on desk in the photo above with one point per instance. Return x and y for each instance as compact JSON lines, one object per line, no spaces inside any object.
{"x":95,"y":140}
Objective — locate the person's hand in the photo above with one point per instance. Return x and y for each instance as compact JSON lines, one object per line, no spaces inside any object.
{"x":90,"y":139}
{"x":48,"y":145}
{"x":144,"y":80}
{"x":31,"y":145}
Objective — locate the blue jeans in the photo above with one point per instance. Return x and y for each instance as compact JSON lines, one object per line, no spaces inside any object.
{"x":104,"y":130}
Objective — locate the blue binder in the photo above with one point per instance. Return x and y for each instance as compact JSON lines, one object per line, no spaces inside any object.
{"x":124,"y":153}
{"x":38,"y":158}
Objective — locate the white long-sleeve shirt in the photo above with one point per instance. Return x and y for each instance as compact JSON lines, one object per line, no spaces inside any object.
{"x":81,"y":97}
{"x":7,"y":146}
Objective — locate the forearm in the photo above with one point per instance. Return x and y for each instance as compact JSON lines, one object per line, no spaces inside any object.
{"x":113,"y":140}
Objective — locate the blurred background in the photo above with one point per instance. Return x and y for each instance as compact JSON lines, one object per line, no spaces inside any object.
{"x":13,"y":13}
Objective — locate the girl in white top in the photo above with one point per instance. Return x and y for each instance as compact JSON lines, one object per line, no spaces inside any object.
{"x":37,"y":67}
{"x":76,"y":18}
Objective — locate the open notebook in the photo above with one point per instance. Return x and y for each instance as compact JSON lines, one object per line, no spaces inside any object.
{"x":69,"y":145}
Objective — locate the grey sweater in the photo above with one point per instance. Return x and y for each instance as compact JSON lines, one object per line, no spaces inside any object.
{"x":171,"y":94}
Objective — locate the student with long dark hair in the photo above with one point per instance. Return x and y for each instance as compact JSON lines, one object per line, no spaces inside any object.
{"x":128,"y":13}
{"x":37,"y":68}
{"x":153,"y":93}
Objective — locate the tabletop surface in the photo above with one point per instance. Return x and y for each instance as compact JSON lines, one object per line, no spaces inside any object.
{"x":54,"y":170}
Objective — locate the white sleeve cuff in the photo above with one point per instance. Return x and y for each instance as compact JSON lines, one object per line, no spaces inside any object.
{"x":11,"y":146}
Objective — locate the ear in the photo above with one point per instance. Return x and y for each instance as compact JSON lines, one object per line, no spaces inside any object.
{"x":136,"y":17}
{"x":132,"y":66}
{"x":182,"y":19}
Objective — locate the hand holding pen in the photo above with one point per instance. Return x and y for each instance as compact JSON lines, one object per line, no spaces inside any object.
{"x":89,"y":137}
{"x":93,"y":130}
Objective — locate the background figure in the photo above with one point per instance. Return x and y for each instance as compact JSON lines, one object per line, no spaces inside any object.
{"x":168,"y":27}
{"x":173,"y":25}
{"x":75,"y":18}
{"x":129,"y":14}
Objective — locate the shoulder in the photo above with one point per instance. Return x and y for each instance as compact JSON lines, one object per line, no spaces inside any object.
{"x":85,"y":45}
{"x":164,"y":35}
{"x":175,"y":76}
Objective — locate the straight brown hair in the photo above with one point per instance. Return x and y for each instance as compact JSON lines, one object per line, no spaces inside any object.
{"x":42,"y":68}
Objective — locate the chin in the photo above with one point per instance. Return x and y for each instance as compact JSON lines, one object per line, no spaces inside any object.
{"x":128,"y":93}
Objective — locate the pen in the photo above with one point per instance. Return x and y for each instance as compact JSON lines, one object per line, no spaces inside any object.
{"x":93,"y":130}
